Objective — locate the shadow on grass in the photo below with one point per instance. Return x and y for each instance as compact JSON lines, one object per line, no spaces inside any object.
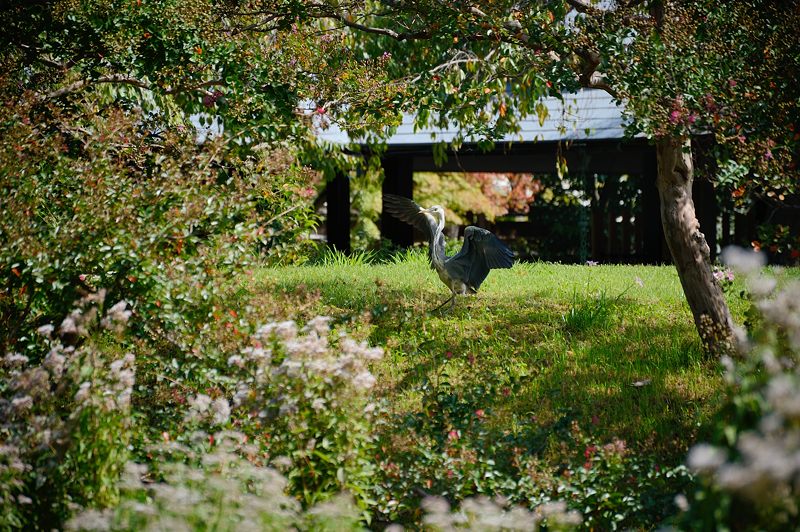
{"x":542,"y":358}
{"x":649,"y":386}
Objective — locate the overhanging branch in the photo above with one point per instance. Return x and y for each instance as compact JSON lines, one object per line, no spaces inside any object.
{"x":128,"y":80}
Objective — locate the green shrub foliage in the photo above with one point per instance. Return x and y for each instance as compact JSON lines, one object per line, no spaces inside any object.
{"x":749,"y":472}
{"x":103,"y":200}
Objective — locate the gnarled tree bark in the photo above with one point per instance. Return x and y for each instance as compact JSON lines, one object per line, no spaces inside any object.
{"x":688,"y":246}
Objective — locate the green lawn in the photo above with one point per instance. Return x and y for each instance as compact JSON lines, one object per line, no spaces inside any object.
{"x":540,"y":343}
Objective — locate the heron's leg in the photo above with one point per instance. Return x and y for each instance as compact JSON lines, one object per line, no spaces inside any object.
{"x":451,"y":298}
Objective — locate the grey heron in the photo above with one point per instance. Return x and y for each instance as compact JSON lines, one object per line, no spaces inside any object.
{"x":465,"y":271}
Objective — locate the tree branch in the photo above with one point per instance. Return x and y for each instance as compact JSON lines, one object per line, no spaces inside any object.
{"x":350,"y":23}
{"x":127,"y":80}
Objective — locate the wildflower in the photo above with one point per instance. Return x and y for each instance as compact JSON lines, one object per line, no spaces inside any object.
{"x":318,"y":325}
{"x":82,"y":395}
{"x":682,"y":502}
{"x":117,"y":317}
{"x":285,"y":330}
{"x":12,"y":360}
{"x":743,"y":260}
{"x":287,"y":409}
{"x":616,"y":447}
{"x":22,"y":404}
{"x":91,"y":520}
{"x":479,"y":413}
{"x":784,"y":396}
{"x":241,"y":395}
{"x":373,"y":353}
{"x":761,"y":287}
{"x":55,"y":362}
{"x":33,"y":381}
{"x":282,"y":463}
{"x":675,"y":116}
{"x":123,"y":401}
{"x":200,"y":403}
{"x":68,"y":326}
{"x":364,"y":380}
{"x":557,"y":511}
{"x":638,"y":280}
{"x":592,"y":263}
{"x":221,"y":411}
{"x":256,"y":354}
{"x":318,"y":404}
{"x":705,"y":458}
{"x":46,"y":330}
{"x":236,"y":360}
{"x":125,"y":378}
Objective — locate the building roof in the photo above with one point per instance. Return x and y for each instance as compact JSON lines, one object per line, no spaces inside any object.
{"x":588,"y":114}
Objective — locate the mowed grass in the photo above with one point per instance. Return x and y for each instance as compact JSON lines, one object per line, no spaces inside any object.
{"x":612,"y":348}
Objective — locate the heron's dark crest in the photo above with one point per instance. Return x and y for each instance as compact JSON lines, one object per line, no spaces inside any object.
{"x":466,"y":270}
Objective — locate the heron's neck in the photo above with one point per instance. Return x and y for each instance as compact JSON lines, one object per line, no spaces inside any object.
{"x":437,"y":246}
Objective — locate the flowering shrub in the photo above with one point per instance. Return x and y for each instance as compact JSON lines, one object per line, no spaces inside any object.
{"x":305,"y":393}
{"x":66,"y":417}
{"x":485,"y":514}
{"x":219,"y":488}
{"x":614,"y":489}
{"x":449,"y":449}
{"x":749,"y":471}
{"x":724,"y":277}
{"x":96,"y":199}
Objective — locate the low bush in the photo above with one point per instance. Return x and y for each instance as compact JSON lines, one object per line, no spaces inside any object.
{"x":749,"y":471}
{"x":449,"y":449}
{"x":157,"y":220}
{"x":67,"y":418}
{"x":193,"y":487}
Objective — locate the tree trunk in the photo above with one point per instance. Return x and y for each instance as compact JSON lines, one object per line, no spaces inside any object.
{"x":688,"y":246}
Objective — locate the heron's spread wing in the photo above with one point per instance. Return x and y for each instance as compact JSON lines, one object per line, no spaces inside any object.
{"x":481,"y":252}
{"x":408,"y":211}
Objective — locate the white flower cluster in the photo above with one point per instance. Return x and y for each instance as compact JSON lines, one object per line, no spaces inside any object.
{"x":203,"y":408}
{"x":224,"y":488}
{"x":44,"y":398}
{"x":482,"y":513}
{"x":282,"y":354}
{"x":783,"y":311}
{"x":768,"y":464}
{"x":116,"y":318}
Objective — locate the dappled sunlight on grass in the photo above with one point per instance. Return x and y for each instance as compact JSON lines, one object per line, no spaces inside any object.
{"x":556,"y":341}
{"x":509,"y":391}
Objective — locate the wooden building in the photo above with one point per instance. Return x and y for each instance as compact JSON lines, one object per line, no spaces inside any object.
{"x":587,"y":129}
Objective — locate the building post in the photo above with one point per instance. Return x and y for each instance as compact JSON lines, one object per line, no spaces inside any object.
{"x":338,"y":222}
{"x":398,"y":179}
{"x":652,"y":233}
